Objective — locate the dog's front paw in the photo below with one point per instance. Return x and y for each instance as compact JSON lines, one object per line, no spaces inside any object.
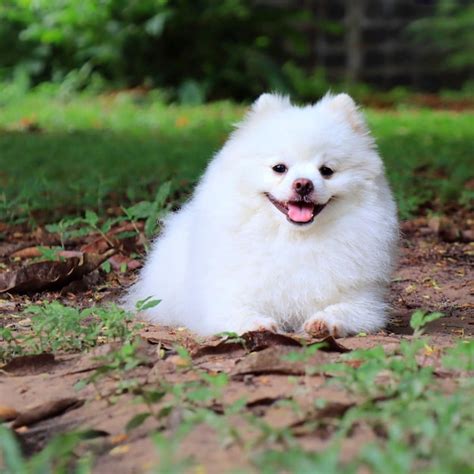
{"x":318,"y":327}
{"x":258,"y":323}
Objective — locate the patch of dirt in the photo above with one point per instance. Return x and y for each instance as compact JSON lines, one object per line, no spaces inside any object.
{"x":47,"y":402}
{"x":433,"y":275}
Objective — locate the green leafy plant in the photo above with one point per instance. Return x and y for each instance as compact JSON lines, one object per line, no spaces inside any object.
{"x":147,"y":303}
{"x":117,"y":364}
{"x":58,"y":456}
{"x":419,"y":319}
{"x":78,"y":45}
{"x":450,"y":32}
{"x":50,"y":253}
{"x":151,"y":211}
{"x":460,"y":357}
{"x":169,"y":459}
{"x":55,"y":327}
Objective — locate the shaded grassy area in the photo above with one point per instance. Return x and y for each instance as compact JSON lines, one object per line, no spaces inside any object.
{"x":62,"y":156}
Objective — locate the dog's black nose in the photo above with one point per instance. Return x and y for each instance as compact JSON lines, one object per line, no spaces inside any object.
{"x":303,"y":186}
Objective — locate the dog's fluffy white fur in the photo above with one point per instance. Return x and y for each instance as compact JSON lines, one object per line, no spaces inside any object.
{"x":230,"y":260}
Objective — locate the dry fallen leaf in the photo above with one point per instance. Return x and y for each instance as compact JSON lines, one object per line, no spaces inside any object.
{"x":40,"y":276}
{"x":258,"y":340}
{"x":47,"y":410}
{"x":7,"y":413}
{"x":121,"y":449}
{"x":272,"y":360}
{"x":7,"y":249}
{"x":250,"y":342}
{"x":118,"y":438}
{"x":30,"y":364}
{"x":331,"y":345}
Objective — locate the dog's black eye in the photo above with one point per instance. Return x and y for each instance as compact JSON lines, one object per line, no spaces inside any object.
{"x":280,"y":168}
{"x":326,"y":172}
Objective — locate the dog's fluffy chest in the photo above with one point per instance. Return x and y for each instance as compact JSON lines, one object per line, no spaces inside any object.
{"x":289,"y":279}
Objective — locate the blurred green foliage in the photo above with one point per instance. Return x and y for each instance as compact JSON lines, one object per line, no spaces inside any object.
{"x":59,"y":157}
{"x":198,"y":49}
{"x":194,"y":50}
{"x":451,"y":32}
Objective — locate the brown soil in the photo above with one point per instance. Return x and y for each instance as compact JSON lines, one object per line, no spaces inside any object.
{"x":433,"y":275}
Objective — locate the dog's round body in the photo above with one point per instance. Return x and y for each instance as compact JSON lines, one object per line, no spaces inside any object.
{"x":292,"y":227}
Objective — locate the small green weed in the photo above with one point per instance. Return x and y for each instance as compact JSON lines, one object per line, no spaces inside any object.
{"x":149,"y":211}
{"x":50,"y":254}
{"x":147,"y":303}
{"x":116,"y":364}
{"x":460,"y":357}
{"x":298,"y":460}
{"x":170,"y":460}
{"x":58,"y":456}
{"x":55,"y":327}
{"x":420,"y":319}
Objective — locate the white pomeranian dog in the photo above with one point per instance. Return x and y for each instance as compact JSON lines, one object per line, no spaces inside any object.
{"x":292,"y":227}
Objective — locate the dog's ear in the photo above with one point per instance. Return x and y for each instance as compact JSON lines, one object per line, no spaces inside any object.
{"x":270,"y":103}
{"x":343,"y":103}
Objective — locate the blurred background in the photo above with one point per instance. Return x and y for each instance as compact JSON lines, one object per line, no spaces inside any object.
{"x":199,"y":50}
{"x":103,"y":101}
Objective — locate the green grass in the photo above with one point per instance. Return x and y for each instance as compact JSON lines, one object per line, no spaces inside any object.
{"x":55,"y":327}
{"x":96,"y":151}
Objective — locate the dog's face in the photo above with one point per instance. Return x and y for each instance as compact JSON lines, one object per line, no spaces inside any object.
{"x":297,"y":163}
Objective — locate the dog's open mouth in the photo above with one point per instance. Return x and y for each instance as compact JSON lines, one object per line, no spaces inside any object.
{"x":300,"y":212}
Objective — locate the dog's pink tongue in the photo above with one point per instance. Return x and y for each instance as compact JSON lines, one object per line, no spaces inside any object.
{"x":300,"y":212}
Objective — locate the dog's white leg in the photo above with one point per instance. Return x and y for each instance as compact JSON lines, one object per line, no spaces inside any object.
{"x":251,"y":321}
{"x":360,"y":312}
{"x":239,"y":321}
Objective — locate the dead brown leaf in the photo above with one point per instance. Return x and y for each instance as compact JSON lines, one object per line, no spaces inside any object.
{"x":263,"y":402}
{"x":249,"y":342}
{"x":40,"y":276}
{"x":30,"y":364}
{"x":167,"y":338}
{"x":7,"y":249}
{"x":272,"y":361}
{"x":47,"y":410}
{"x":331,"y":345}
{"x":7,"y":413}
{"x":258,"y":340}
